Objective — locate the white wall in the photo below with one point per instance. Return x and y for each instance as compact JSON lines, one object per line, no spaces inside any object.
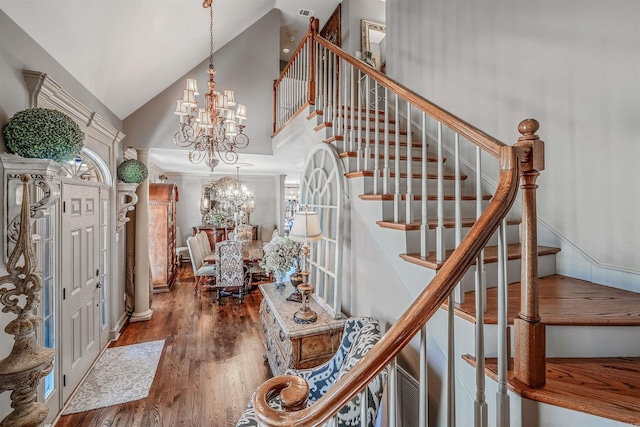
{"x":573,"y":66}
{"x":352,"y":12}
{"x":247,"y":64}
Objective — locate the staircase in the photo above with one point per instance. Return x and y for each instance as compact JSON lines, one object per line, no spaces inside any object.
{"x":419,"y":192}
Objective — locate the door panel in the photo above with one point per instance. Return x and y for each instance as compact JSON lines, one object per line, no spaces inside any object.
{"x":80,"y":279}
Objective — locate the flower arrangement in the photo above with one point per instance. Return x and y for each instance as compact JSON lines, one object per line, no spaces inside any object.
{"x":280,"y":255}
{"x":132,"y":171}
{"x":43,"y":133}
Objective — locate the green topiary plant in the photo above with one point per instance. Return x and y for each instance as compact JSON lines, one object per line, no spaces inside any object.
{"x":43,"y":133}
{"x":132,"y":171}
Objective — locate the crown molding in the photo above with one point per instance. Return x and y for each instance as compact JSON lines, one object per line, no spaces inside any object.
{"x":42,"y":87}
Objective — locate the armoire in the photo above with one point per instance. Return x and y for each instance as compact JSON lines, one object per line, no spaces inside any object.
{"x":162,"y":235}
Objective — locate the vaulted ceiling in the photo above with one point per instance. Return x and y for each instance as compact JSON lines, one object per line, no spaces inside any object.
{"x":127,"y":51}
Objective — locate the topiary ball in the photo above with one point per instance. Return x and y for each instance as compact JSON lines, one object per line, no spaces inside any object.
{"x":42,"y":133}
{"x":132,"y":171}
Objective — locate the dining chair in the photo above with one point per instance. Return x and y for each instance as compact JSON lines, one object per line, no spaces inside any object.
{"x":201,"y":271}
{"x":230,"y":271}
{"x":182,"y":252}
{"x":203,"y":242}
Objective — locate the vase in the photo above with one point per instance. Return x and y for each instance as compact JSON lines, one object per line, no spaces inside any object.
{"x":279,"y":279}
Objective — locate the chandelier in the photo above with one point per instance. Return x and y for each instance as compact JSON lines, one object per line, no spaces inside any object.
{"x":234,"y":195}
{"x":215,"y":131}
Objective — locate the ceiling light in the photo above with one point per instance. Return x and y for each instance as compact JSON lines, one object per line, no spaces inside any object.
{"x":285,"y":50}
{"x":215,"y":131}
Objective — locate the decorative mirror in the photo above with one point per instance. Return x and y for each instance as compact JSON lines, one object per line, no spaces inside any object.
{"x":373,"y":44}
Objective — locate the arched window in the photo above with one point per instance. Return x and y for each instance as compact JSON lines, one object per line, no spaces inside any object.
{"x":87,"y":166}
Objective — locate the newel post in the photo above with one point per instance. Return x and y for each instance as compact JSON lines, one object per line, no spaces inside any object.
{"x":530,"y":341}
{"x":313,"y":32}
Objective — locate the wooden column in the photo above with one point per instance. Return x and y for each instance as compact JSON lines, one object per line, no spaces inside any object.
{"x":530,"y":339}
{"x":311,"y":92}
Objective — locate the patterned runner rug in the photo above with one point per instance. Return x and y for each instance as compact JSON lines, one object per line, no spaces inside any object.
{"x":121,"y":374}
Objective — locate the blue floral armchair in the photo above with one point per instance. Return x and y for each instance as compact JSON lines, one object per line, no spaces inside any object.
{"x":360,"y":335}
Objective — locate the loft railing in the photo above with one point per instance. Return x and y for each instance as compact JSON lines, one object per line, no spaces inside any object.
{"x":372,"y":118}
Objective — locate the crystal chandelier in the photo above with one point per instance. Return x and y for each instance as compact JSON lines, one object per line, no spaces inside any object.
{"x":215,"y":131}
{"x":234,"y":195}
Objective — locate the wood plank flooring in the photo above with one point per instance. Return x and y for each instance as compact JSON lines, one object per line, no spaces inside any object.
{"x":605,"y":387}
{"x":565,"y":301}
{"x":211,"y":364}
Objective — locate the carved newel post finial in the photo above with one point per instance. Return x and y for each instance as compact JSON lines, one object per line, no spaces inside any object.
{"x":28,"y":362}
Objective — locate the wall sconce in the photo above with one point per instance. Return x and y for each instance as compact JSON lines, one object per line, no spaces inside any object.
{"x":127,"y":199}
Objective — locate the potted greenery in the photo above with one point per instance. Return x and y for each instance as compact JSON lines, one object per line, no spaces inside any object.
{"x":43,"y":133}
{"x":132,"y":171}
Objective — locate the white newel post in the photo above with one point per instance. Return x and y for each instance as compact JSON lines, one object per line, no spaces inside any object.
{"x":141,"y":309}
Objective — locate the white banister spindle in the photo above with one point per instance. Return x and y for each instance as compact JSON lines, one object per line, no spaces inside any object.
{"x":345,"y":103}
{"x":451,"y":363}
{"x":393,"y":394}
{"x":459,"y":294}
{"x":318,"y":76}
{"x":424,"y":223}
{"x":396,"y":166}
{"x":337,"y":122}
{"x":440,"y":247}
{"x":409,"y":202}
{"x":423,"y":415}
{"x":367,"y":136}
{"x":481,"y":277}
{"x":385,"y":169}
{"x":359,"y":127}
{"x":332,"y":100}
{"x":363,"y":408}
{"x":352,"y":112}
{"x":502,"y":397}
{"x":325,"y":89}
{"x":376,"y":151}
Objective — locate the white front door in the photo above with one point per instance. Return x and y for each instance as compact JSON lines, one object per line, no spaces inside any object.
{"x":80,"y":281}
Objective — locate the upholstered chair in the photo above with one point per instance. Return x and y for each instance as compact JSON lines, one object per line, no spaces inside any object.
{"x":360,"y":335}
{"x":201,"y":271}
{"x":182,"y":252}
{"x":203,"y":242}
{"x":230,"y":274}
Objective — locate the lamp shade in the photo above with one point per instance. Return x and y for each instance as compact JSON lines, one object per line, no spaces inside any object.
{"x":306,"y":227}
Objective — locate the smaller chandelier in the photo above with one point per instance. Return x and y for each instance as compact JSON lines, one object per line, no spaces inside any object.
{"x":215,"y":131}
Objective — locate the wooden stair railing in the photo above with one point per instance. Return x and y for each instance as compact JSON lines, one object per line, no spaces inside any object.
{"x":332,"y":88}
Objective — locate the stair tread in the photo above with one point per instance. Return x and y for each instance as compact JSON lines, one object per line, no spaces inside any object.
{"x":372,"y":141}
{"x":564,"y":301}
{"x":605,"y":387}
{"x":418,"y":197}
{"x":433,"y":223}
{"x":415,"y":175}
{"x":403,"y":157}
{"x":490,"y":255}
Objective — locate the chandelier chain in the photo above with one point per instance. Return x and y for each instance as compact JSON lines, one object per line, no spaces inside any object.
{"x":211,"y":37}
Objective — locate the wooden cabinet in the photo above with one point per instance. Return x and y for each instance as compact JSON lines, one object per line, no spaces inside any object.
{"x":219,"y":234}
{"x":291,"y":345}
{"x":162,"y":235}
{"x":214,"y":234}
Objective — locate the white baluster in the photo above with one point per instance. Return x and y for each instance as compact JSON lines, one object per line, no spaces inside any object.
{"x":451,"y":363}
{"x":481,"y":277}
{"x":393,"y":394}
{"x":396,"y":194}
{"x":409,"y":201}
{"x":385,"y":169}
{"x":353,"y":109}
{"x":424,"y":226}
{"x":376,"y":151}
{"x":359,"y":128}
{"x":367,"y":150}
{"x":459,"y":294}
{"x":423,"y":417}
{"x":440,"y":248}
{"x":363,"y":408}
{"x":480,"y":404}
{"x":502,"y":397}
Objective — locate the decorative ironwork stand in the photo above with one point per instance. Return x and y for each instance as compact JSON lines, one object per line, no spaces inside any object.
{"x":28,"y":362}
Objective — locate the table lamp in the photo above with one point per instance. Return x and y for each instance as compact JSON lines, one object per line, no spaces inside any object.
{"x":305,"y":229}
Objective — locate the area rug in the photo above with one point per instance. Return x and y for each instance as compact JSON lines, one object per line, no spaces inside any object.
{"x":121,"y":374}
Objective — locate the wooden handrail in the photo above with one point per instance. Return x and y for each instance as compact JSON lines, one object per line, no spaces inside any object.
{"x":418,"y":313}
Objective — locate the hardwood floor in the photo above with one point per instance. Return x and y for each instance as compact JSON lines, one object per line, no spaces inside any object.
{"x":210,"y":366}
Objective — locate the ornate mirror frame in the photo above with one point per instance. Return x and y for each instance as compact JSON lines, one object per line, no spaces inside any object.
{"x":366,"y":28}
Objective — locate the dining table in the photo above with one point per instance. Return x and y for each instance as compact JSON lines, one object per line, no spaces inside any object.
{"x":251,"y":252}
